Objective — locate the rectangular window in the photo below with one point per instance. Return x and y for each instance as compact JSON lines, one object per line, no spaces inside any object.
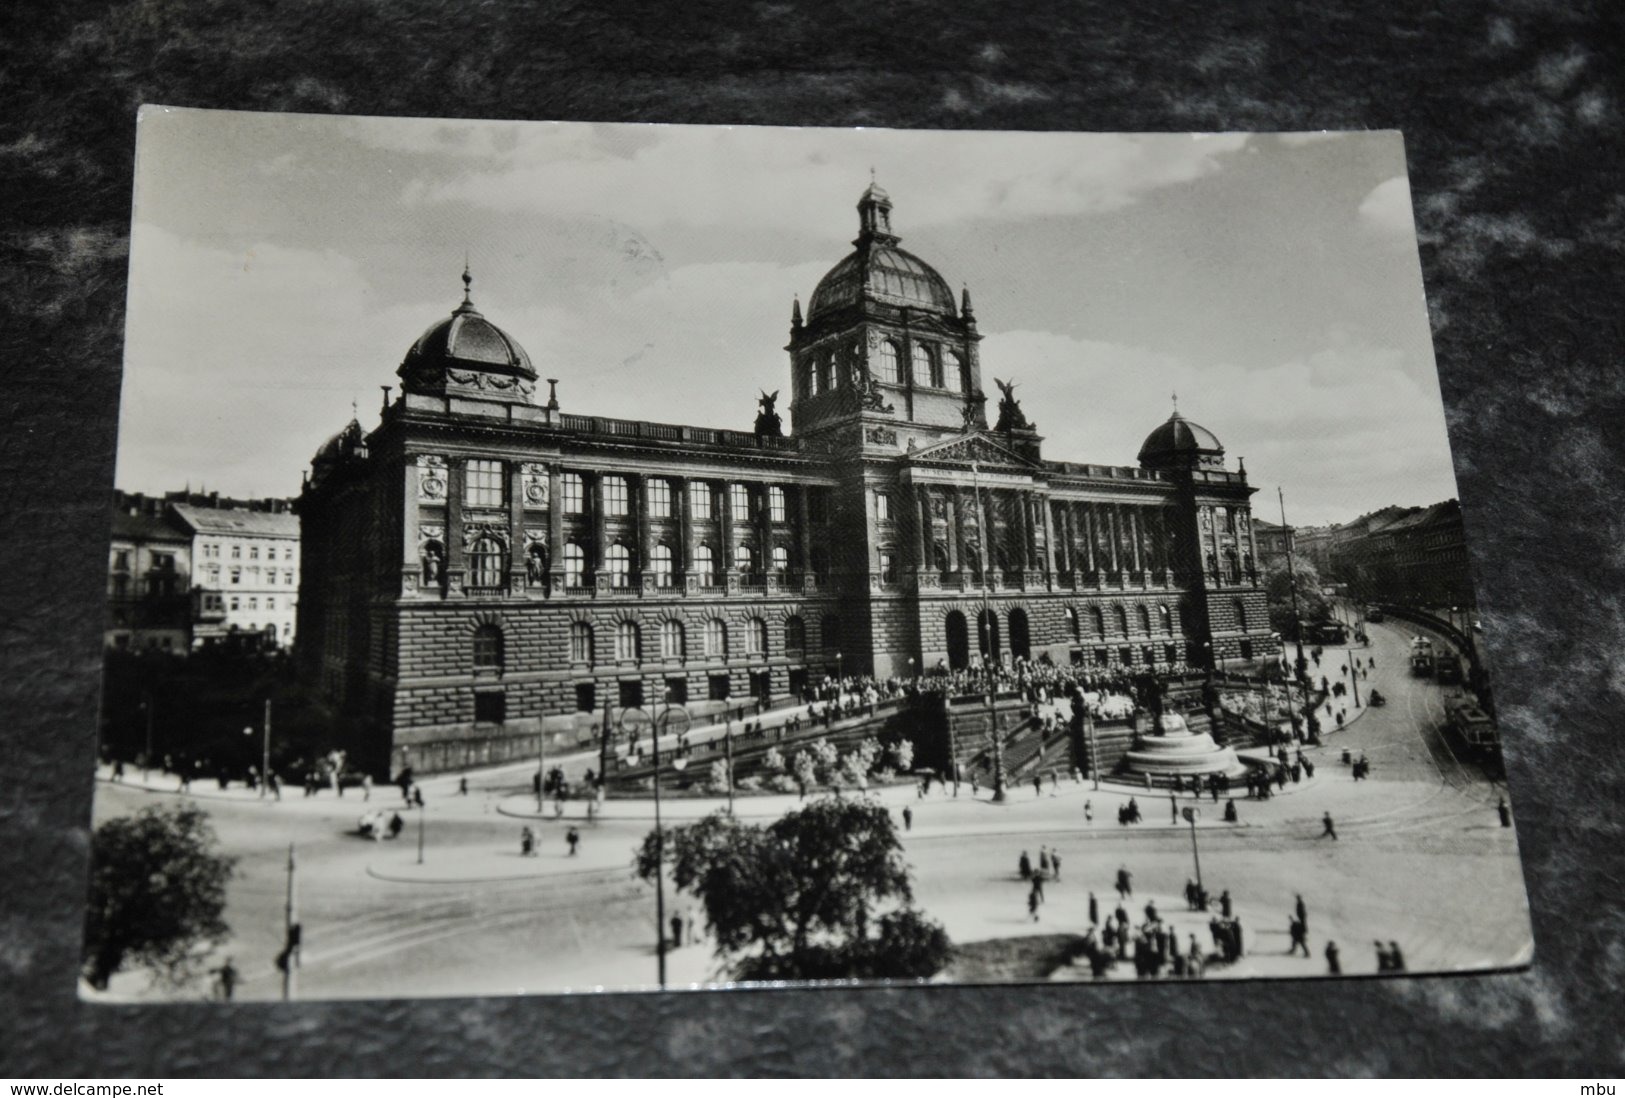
{"x":631,"y":692}
{"x":775,"y":504}
{"x":236,"y":603}
{"x":699,"y":499}
{"x":490,"y":708}
{"x":739,"y":501}
{"x":270,"y":575}
{"x":253,"y":603}
{"x":236,"y":552}
{"x":615,"y":497}
{"x":586,"y":697}
{"x":717,"y":687}
{"x":574,"y":499}
{"x":270,"y":554}
{"x":882,"y":506}
{"x":287,"y":577}
{"x":482,"y":485}
{"x":677,"y":691}
{"x":888,"y":567}
{"x":236,"y":575}
{"x":121,"y":560}
{"x":270,"y":603}
{"x":659,"y":498}
{"x":254,"y":552}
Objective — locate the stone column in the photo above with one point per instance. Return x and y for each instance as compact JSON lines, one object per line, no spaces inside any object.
{"x":1134,"y":532}
{"x":555,"y":528}
{"x":922,"y":516}
{"x":516,"y":528}
{"x":637,"y":500}
{"x":1110,"y":518}
{"x":682,"y":563}
{"x":411,"y":565}
{"x":803,"y":531}
{"x":455,"y":478}
{"x":1089,"y":535}
{"x":1049,"y":538}
{"x":600,"y":534}
{"x":955,"y":533}
{"x":725,"y":521}
{"x":764,"y":523}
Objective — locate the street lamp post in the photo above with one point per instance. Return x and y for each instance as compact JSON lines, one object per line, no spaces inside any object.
{"x":265,"y":749}
{"x":1292,"y":581}
{"x":1354,"y":679}
{"x":146,"y":759}
{"x":1192,"y":814}
{"x":985,"y":636}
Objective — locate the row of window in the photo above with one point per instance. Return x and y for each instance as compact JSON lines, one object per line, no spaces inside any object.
{"x":1119,"y":618}
{"x":211,"y":574}
{"x":253,"y":602}
{"x":930,"y":367}
{"x":211,"y":550}
{"x":488,"y":563}
{"x":484,"y":487}
{"x":672,"y":639}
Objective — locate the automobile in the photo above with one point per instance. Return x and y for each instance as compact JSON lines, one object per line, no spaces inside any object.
{"x":1377,"y":698}
{"x":1373,"y":613}
{"x":1449,"y":668}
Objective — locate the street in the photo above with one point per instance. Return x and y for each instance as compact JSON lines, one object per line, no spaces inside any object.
{"x":1420,"y":859}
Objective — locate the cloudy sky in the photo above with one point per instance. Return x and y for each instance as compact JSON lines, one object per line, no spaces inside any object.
{"x":282,"y":264}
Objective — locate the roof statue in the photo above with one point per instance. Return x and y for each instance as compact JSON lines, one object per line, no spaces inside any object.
{"x":1011,"y":417}
{"x":768,"y":424}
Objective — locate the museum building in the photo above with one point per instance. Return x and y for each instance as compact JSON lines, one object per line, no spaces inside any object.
{"x":483,"y":560}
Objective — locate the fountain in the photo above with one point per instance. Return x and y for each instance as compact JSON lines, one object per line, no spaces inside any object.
{"x":1175,"y":751}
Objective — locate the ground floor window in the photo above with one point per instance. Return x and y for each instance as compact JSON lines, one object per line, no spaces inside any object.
{"x":586,"y":697}
{"x":1077,"y":657}
{"x":1125,"y":654}
{"x":490,"y":707}
{"x":677,"y":690}
{"x":1100,"y":657}
{"x":631,"y":691}
{"x":761,"y":686}
{"x":1246,"y":649}
{"x":1170,"y":653}
{"x":717,"y":687}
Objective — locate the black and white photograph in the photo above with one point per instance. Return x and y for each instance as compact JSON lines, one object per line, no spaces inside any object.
{"x":567,"y":557}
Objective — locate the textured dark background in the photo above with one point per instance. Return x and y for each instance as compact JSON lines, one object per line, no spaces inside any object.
{"x":1512,"y":113}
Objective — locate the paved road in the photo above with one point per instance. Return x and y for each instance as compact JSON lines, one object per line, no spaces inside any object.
{"x":1420,"y":859}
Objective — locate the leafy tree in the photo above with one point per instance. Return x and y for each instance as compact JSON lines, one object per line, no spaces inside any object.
{"x":157,"y":894}
{"x":773,"y":761}
{"x":902,"y":753}
{"x":1312,"y":605}
{"x":718,"y":781}
{"x":821,"y":893}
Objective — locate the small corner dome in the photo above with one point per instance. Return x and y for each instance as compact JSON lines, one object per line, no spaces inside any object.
{"x":344,"y":442}
{"x":1180,"y":440}
{"x":468,"y":340}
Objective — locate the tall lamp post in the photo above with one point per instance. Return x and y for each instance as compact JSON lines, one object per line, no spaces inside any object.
{"x":146,"y":706}
{"x":1292,"y":580}
{"x":1192,"y":814}
{"x":1354,"y":679}
{"x":265,"y":749}
{"x":661,"y":723}
{"x":985,"y":636}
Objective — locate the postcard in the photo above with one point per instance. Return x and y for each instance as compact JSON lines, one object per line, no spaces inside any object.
{"x":562,"y":557}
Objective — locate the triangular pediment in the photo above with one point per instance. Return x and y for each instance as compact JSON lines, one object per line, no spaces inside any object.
{"x":964,"y":449}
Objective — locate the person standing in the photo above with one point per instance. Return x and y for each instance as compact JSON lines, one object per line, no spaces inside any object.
{"x":676,"y":930}
{"x":1334,"y":967}
{"x":1396,"y":959}
{"x":573,"y":837}
{"x":1505,"y":812}
{"x":1094,"y":910}
{"x":1088,"y":812}
{"x":226,"y":980}
{"x":1125,"y":883}
{"x":1055,"y":863}
{"x":1173,"y":806}
{"x":908,"y":818}
{"x":1328,"y":828}
{"x":462,"y":786}
{"x":1043,"y":861}
{"x":1024,"y":864}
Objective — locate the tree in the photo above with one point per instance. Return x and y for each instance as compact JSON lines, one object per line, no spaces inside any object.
{"x":1312,"y":604}
{"x":157,"y":894}
{"x":821,"y":893}
{"x":902,"y":754}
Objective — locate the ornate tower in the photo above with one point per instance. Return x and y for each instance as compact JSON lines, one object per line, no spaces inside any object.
{"x":882,"y":335}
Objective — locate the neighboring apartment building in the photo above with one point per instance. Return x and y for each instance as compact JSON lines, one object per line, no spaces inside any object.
{"x":148,"y":577}
{"x":251,"y":559}
{"x":188,"y":569}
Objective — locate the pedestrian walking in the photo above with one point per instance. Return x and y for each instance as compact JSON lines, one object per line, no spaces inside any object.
{"x":1125,"y":883}
{"x":462,"y":786}
{"x":366,"y":786}
{"x":1224,"y":903}
{"x":1088,"y":812}
{"x":1038,"y":785}
{"x":1301,"y":911}
{"x":275,"y":785}
{"x":1151,"y":915}
{"x":417,"y":796}
{"x":1333,"y":965}
{"x":1173,"y":807}
{"x":573,"y":837}
{"x":1043,"y":861}
{"x":1505,"y":812}
{"x":1055,"y":863}
{"x":693,"y":925}
{"x":1328,"y":827}
{"x":908,"y":818}
{"x":1038,"y":886}
{"x":118,"y":770}
{"x":1094,"y":910}
{"x":1230,"y":811}
{"x":1396,"y":959}
{"x":1194,"y":961}
{"x":1032,"y":905}
{"x":225,"y":980}
{"x":676,"y":930}
{"x":1025,"y":865}
{"x":1300,"y":938}
{"x":527,"y":842}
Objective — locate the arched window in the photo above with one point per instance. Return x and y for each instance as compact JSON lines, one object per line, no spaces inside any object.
{"x":716,"y":639}
{"x":660,"y":558}
{"x":1100,"y":623}
{"x":813,"y":388}
{"x":1122,"y":621}
{"x":781,"y":559}
{"x":1145,"y":620}
{"x":580,"y":642}
{"x":956,"y":370}
{"x":619,"y":560}
{"x":705,"y":563}
{"x":488,"y":648}
{"x":1241,"y":615}
{"x":795,"y":634}
{"x":832,"y":373}
{"x":1072,"y":628}
{"x":890,"y":372}
{"x":628,"y":642}
{"x":671,"y":640}
{"x":924,"y":367}
{"x":1232,"y":566}
{"x":744,"y":559}
{"x":1167,"y":619}
{"x":487,"y":563}
{"x":756,"y":637}
{"x":575,"y":565}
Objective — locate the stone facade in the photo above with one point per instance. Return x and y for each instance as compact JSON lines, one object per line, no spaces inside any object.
{"x":483,"y":566}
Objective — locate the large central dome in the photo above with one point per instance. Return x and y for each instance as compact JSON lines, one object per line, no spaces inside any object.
{"x":878,"y":270}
